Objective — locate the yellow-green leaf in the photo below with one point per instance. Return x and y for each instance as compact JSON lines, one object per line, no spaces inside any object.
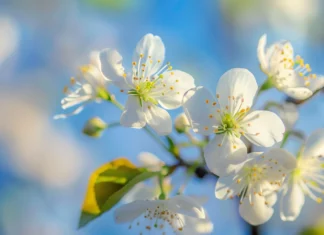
{"x":108,"y":184}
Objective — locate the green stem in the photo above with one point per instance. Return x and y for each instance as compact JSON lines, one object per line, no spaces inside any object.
{"x":116,"y":103}
{"x":285,"y":139}
{"x":113,"y":124}
{"x":265,"y":86}
{"x":299,"y":135}
{"x":162,"y":195}
{"x":186,"y":144}
{"x":110,"y":98}
{"x":156,"y":138}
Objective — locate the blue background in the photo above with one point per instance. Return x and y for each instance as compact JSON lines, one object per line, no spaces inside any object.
{"x":45,"y":164}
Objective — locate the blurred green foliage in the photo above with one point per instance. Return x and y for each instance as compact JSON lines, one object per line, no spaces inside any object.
{"x":116,"y":5}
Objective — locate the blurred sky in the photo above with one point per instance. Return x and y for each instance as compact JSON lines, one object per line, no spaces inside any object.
{"x":44,"y":164}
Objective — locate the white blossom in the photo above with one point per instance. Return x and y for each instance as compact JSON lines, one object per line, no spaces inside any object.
{"x":255,"y":182}
{"x":150,"y":190}
{"x":84,"y":87}
{"x":148,"y":85}
{"x":287,"y":73}
{"x":229,"y":117}
{"x":180,"y":214}
{"x":288,"y":113}
{"x":9,"y":37}
{"x":306,"y":179}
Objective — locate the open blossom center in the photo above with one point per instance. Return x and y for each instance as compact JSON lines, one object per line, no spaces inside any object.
{"x":147,"y":82}
{"x":309,"y":175}
{"x":252,"y":177}
{"x":231,"y":117}
{"x":159,"y":218}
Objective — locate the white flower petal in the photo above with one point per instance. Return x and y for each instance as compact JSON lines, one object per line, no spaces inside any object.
{"x":299,"y":93}
{"x":280,"y":157}
{"x":69,"y":102}
{"x":263,"y":128}
{"x":95,"y":61}
{"x":158,"y":118}
{"x":288,"y":113}
{"x":314,"y":146}
{"x":240,"y":84}
{"x":75,"y":112}
{"x":257,"y":212}
{"x":130,"y":211}
{"x":150,"y":161}
{"x":195,"y":226}
{"x":220,"y":154}
{"x":112,"y":68}
{"x":200,"y":200}
{"x":133,"y":115}
{"x":264,"y":63}
{"x":172,"y":88}
{"x":271,"y":199}
{"x":150,"y":51}
{"x":140,"y":192}
{"x":227,"y":187}
{"x":200,"y":108}
{"x":291,"y":203}
{"x":317,"y":83}
{"x":283,"y":51}
{"x":185,"y":205}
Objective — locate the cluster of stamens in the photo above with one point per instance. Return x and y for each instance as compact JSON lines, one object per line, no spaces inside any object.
{"x":230,"y":118}
{"x":79,"y":87}
{"x":160,"y":219}
{"x":309,"y":175}
{"x":148,"y":87}
{"x":251,"y":175}
{"x":298,"y":65}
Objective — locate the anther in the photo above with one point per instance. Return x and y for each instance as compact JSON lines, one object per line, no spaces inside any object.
{"x":72,"y":80}
{"x":65,"y":89}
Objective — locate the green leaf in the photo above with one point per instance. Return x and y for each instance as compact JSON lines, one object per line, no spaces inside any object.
{"x":107,"y":185}
{"x":266,"y":85}
{"x":316,"y":230}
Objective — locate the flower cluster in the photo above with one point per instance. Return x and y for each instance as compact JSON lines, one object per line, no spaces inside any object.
{"x":228,"y":118}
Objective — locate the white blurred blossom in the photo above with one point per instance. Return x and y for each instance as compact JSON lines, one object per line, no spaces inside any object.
{"x":37,"y":150}
{"x":287,"y":73}
{"x":150,"y":190}
{"x":288,"y":112}
{"x":255,"y":182}
{"x":9,"y":38}
{"x":84,"y":88}
{"x":307,"y":179}
{"x":180,"y":214}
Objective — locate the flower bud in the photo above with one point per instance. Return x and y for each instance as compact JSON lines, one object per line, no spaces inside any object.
{"x":94,"y":127}
{"x":181,"y":123}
